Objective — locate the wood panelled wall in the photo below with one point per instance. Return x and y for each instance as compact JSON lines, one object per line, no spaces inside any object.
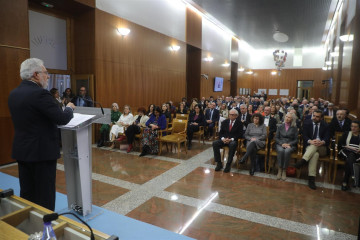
{"x":214,"y":69}
{"x":137,"y":69}
{"x":193,"y":28}
{"x":287,"y":80}
{"x":14,"y":49}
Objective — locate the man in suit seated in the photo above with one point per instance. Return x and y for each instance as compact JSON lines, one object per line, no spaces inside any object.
{"x":244,"y":116}
{"x":83,"y":100}
{"x":309,"y":116}
{"x":316,"y":139}
{"x":340,"y":124}
{"x":270,"y":122}
{"x":230,"y":132}
{"x":330,"y":111}
{"x":212,"y":115}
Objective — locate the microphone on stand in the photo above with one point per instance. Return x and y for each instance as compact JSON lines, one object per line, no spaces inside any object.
{"x":94,"y":102}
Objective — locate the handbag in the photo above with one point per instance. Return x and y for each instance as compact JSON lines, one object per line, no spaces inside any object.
{"x":290,"y":171}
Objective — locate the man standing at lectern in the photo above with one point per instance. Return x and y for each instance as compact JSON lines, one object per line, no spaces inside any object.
{"x":35,"y":115}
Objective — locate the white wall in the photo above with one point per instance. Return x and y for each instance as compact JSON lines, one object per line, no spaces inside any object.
{"x":215,"y":40}
{"x":311,"y":58}
{"x":165,"y":16}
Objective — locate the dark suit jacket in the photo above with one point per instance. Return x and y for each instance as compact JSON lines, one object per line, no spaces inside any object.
{"x":215,"y":116}
{"x":308,"y":131}
{"x":335,"y":126}
{"x":326,"y":112}
{"x":200,"y":120}
{"x":88,"y":102}
{"x":272,"y":127}
{"x":236,"y":130}
{"x":36,"y":114}
{"x":247,"y":119}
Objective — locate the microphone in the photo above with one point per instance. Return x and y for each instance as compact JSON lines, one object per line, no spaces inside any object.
{"x":87,"y":100}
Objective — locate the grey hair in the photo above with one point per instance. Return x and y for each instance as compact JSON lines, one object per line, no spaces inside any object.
{"x":293,"y":119}
{"x":234,"y":111}
{"x":243,"y":105}
{"x":116,"y":105}
{"x":29,"y":66}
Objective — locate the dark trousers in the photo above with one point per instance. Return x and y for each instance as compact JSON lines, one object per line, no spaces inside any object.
{"x":217,"y":144}
{"x":37,"y":182}
{"x":251,"y":151}
{"x":190,"y":131}
{"x":130,"y":133}
{"x":210,"y":128}
{"x":349,"y":165}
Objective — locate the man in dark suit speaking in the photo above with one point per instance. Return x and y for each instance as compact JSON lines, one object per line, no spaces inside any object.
{"x":36,"y":114}
{"x":231,"y":130}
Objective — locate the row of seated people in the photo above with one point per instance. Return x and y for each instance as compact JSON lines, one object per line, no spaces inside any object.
{"x":210,"y":116}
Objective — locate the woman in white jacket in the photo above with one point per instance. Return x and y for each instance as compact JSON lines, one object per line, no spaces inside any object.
{"x":124,"y":121}
{"x":139,"y":122}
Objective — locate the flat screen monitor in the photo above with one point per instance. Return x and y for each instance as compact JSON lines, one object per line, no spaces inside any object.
{"x":218,"y":84}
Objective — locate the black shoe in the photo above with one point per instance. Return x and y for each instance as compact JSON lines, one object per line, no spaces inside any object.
{"x":143,"y":153}
{"x":242,"y":160}
{"x":301,"y":163}
{"x":219,"y":166}
{"x":344,"y":187}
{"x":189,"y":146}
{"x":311,"y":183}
{"x":251,"y":172}
{"x":227,"y":168}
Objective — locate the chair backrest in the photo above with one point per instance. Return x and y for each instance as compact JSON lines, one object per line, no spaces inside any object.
{"x":182,"y":116}
{"x":179,"y":125}
{"x":327,"y":119}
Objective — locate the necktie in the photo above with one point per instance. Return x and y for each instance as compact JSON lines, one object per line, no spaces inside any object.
{"x":243,"y":117}
{"x":316,"y":131}
{"x":230,"y":126}
{"x":211,"y":112}
{"x":341,"y":124}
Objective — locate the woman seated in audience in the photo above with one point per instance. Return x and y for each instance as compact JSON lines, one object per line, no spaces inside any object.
{"x":149,"y":141}
{"x":55,"y":93}
{"x":286,"y":139}
{"x":166,"y":112}
{"x":181,"y":110}
{"x":255,"y":136}
{"x":196,"y":119}
{"x":224,"y":111}
{"x":139,"y":122}
{"x":150,"y":110}
{"x":125,"y":120}
{"x":67,"y":96}
{"x":205,"y":106}
{"x":349,"y":150}
{"x":260,"y":110}
{"x":192,"y":106}
{"x":105,"y":128}
{"x":250,"y":109}
{"x":274,"y":114}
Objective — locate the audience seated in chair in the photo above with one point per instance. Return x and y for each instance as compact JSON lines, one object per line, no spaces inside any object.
{"x":230,"y":132}
{"x":196,"y":120}
{"x":255,"y":136}
{"x":139,"y":122}
{"x":212,"y":115}
{"x":340,"y":123}
{"x":150,"y":142}
{"x":105,"y":128}
{"x":125,"y":120}
{"x":349,"y":150}
{"x":286,"y":139}
{"x":316,"y":139}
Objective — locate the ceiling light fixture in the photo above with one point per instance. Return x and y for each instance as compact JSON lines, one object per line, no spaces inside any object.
{"x":175,"y":48}
{"x":329,"y":68}
{"x":273,"y":73}
{"x":334,"y":54}
{"x":123,"y":31}
{"x":328,"y":62}
{"x":280,"y":37}
{"x":347,"y":38}
{"x":241,"y":69}
{"x":208,"y":59}
{"x":324,"y":68}
{"x":225,"y":64}
{"x":249,"y":72}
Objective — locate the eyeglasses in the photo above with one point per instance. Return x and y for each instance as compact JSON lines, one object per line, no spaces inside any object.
{"x":46,"y":72}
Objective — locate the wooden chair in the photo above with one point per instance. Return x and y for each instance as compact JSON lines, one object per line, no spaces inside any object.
{"x":178,"y":135}
{"x":182,"y":116}
{"x":328,"y":119}
{"x":337,"y":160}
{"x":200,"y":134}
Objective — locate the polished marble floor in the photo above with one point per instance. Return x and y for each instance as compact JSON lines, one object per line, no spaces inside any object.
{"x":185,"y":195}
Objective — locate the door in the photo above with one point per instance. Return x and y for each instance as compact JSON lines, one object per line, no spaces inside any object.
{"x":304,"y":89}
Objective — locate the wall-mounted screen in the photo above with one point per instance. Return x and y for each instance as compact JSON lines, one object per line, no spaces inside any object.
{"x":218,"y":84}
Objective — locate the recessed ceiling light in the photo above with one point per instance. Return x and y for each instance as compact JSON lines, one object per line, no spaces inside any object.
{"x":280,"y":37}
{"x":347,"y":38}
